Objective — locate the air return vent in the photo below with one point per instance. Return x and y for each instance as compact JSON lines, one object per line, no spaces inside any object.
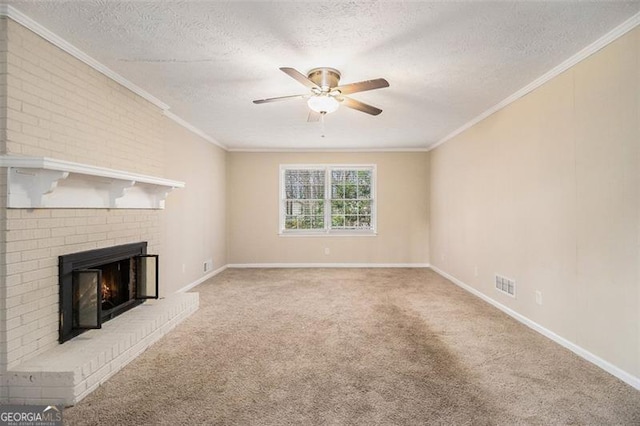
{"x":506,"y":285}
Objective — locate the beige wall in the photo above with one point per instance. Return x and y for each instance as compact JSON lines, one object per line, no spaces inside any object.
{"x":402,"y":197}
{"x":59,"y":107}
{"x":546,"y":191}
{"x":194,"y":226}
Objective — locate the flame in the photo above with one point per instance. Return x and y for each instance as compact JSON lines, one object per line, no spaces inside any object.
{"x":106,"y":290}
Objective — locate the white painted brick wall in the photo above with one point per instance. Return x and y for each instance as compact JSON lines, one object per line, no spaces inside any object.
{"x":5,"y":303}
{"x":56,"y":106}
{"x":60,"y":107}
{"x":71,"y":371}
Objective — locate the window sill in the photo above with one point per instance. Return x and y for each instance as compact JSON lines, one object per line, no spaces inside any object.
{"x":328,"y":234}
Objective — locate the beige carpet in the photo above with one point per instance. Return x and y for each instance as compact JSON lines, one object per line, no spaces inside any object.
{"x":354,"y":347}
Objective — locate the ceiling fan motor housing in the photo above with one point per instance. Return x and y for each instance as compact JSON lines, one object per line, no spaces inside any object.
{"x":326,"y":78}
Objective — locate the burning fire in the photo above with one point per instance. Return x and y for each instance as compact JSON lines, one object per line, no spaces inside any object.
{"x":106,"y":290}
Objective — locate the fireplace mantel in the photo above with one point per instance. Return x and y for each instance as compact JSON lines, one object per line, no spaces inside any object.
{"x":42,"y":182}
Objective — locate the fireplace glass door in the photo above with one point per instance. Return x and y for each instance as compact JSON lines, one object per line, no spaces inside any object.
{"x":147,"y":282}
{"x":87,"y":299}
{"x":98,"y":285}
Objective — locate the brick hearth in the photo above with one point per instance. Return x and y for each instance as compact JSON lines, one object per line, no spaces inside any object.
{"x":69,"y":372}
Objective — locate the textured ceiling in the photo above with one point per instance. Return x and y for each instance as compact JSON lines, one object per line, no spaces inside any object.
{"x":446,"y":62}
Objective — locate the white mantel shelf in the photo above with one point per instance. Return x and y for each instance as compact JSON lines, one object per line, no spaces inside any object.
{"x":42,"y":182}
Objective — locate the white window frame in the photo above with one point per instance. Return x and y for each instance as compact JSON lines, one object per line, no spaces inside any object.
{"x":327,"y":231}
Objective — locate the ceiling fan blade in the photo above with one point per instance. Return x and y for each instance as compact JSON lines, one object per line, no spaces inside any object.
{"x":360,"y":106}
{"x":362,"y":86}
{"x":279,"y":98}
{"x":299,"y":77}
{"x":313,"y":116}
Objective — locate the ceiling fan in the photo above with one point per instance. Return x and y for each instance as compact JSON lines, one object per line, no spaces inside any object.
{"x":326,"y":95}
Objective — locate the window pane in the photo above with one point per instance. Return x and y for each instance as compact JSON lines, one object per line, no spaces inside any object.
{"x":318,"y":222}
{"x":337,"y":207}
{"x":364,"y":177}
{"x":304,"y":199}
{"x":304,"y":184}
{"x":351,"y":221}
{"x":337,"y":191}
{"x":351,"y":184}
{"x":317,"y":192}
{"x":351,"y":192}
{"x":351,"y":207}
{"x":364,"y":191}
{"x":309,"y":208}
{"x":351,"y":203}
{"x":290,"y":222}
{"x":304,"y":214}
{"x":364,"y":207}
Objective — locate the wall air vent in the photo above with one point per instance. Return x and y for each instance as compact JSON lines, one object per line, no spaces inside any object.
{"x":506,"y":285}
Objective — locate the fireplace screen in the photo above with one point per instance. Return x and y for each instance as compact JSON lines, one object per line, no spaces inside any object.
{"x":98,"y":285}
{"x":86,"y":296}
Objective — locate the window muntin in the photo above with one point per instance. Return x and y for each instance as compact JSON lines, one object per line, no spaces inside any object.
{"x":351,"y":199}
{"x":304,"y":191}
{"x":327,"y":199}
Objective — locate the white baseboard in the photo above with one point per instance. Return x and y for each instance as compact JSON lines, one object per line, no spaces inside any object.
{"x":299,"y":265}
{"x":328,"y":265}
{"x":583,"y":353}
{"x":202,"y":279}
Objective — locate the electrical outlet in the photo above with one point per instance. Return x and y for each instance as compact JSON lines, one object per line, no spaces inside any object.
{"x":208,"y":265}
{"x":327,"y":251}
{"x":538,"y":297}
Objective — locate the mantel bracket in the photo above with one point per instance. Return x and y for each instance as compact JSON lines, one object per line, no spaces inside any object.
{"x":41,"y":182}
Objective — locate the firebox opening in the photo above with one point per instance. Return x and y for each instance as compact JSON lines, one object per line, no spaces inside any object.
{"x":98,"y":285}
{"x":116,"y":286}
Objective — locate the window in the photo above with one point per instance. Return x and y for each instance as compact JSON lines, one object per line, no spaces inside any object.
{"x":327,"y":199}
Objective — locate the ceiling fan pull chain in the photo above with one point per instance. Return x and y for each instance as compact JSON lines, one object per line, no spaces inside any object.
{"x":322,"y":123}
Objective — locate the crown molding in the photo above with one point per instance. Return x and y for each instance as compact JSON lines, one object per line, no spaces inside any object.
{"x":27,"y":22}
{"x":334,"y":150}
{"x":193,"y":129}
{"x":602,"y":42}
{"x":50,"y":36}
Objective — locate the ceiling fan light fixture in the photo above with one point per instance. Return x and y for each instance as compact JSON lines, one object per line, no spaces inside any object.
{"x":323,"y":104}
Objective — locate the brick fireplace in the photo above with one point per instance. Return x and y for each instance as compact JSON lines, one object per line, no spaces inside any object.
{"x":74,"y":274}
{"x":76,"y":128}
